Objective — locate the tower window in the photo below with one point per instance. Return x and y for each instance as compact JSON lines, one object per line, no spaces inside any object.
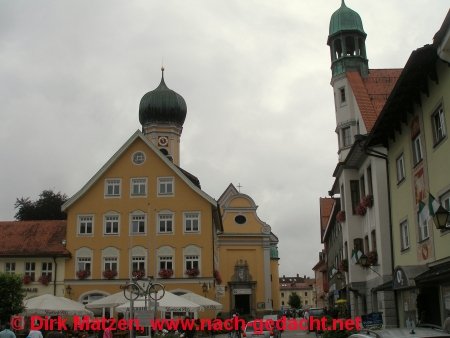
{"x":346,"y":137}
{"x":342,"y":95}
{"x":350,"y":46}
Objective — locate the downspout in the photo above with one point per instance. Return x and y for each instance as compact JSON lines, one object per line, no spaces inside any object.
{"x":375,"y":153}
{"x":56,"y":274}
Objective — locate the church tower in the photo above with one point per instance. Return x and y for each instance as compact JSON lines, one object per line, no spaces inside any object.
{"x":348,"y":56}
{"x":347,"y":41}
{"x":162,"y":113}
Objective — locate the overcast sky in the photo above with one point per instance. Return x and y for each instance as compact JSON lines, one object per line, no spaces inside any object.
{"x":255,"y":75}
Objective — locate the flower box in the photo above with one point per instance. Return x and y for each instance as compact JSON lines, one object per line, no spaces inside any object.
{"x":372,"y":258}
{"x":361,"y":210}
{"x":340,"y":216}
{"x":83,"y":274}
{"x":192,"y":272}
{"x":27,"y":279}
{"x":165,"y":273}
{"x":367,"y":201}
{"x":138,"y":274}
{"x":44,"y":280}
{"x":217,"y":277}
{"x":109,"y":274}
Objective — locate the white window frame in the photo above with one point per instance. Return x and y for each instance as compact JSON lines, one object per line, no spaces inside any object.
{"x":47,"y":270}
{"x":165,"y":262}
{"x":445,"y":202}
{"x":10,"y":268}
{"x":424,"y":230}
{"x":438,"y":125}
{"x":138,"y":263}
{"x":113,"y":187}
{"x":163,"y":184}
{"x":400,"y":167}
{"x":404,"y":235}
{"x":191,"y":262}
{"x":417,"y":149}
{"x":135,"y":218}
{"x":30,"y":270}
{"x":83,"y":222}
{"x":111,"y":218}
{"x":189,"y":218}
{"x":111,"y":263}
{"x":165,"y":218}
{"x":346,"y":137}
{"x":140,"y":183}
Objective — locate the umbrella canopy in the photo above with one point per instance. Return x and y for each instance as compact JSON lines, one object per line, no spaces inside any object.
{"x":205,"y":303}
{"x":170,"y":302}
{"x":108,"y":301}
{"x":49,"y":305}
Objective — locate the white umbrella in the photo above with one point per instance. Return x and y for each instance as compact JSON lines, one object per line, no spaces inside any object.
{"x":170,"y":302}
{"x":205,"y":303}
{"x":108,"y":301}
{"x":49,"y":305}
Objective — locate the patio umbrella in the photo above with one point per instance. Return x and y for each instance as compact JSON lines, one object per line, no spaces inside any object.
{"x":170,"y":302}
{"x":49,"y":305}
{"x":205,"y":303}
{"x":108,"y":301}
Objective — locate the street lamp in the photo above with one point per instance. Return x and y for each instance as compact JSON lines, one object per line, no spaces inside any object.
{"x":205,"y":289}
{"x":440,"y":218}
{"x":68,"y":290}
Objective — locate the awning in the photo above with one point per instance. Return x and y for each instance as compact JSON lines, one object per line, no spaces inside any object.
{"x":404,"y":276}
{"x":435,"y":273}
{"x":387,"y":286}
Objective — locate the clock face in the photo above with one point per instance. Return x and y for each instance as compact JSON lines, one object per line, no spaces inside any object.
{"x":163,"y":141}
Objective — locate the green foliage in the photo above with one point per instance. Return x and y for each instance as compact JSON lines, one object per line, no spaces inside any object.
{"x":47,"y":207}
{"x":11,"y":296}
{"x":336,"y":333}
{"x":295,"y":301}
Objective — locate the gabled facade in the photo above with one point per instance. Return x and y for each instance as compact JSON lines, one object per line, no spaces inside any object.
{"x":360,"y":176}
{"x":37,"y":251}
{"x":414,"y":126}
{"x":248,"y":256}
{"x":141,"y":215}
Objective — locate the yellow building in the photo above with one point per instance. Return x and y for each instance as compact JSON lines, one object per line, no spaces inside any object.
{"x":142,"y":215}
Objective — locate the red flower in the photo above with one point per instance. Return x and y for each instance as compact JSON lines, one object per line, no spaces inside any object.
{"x":27,"y":279}
{"x":44,"y":279}
{"x":192,"y":272}
{"x":340,"y":216}
{"x":83,"y":274}
{"x":109,"y":274}
{"x":367,"y":201}
{"x":138,"y":274}
{"x":361,"y":210}
{"x":217,"y":277}
{"x":165,"y":273}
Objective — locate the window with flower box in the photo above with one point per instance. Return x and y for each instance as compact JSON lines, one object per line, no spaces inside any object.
{"x":47,"y":270}
{"x":30,"y":270}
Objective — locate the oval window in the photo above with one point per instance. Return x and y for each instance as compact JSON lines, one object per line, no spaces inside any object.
{"x":239,"y":219}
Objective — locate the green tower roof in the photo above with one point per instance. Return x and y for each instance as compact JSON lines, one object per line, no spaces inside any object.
{"x":345,"y":19}
{"x":162,"y":105}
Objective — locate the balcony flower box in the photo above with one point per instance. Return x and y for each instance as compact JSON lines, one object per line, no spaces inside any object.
{"x":344,"y":265}
{"x":109,"y":274}
{"x":44,"y":280}
{"x":340,"y":216}
{"x":217,"y":277}
{"x":138,"y":274}
{"x":372,"y":258}
{"x":165,"y":273}
{"x":367,"y":201}
{"x":27,"y":279}
{"x":361,"y":210}
{"x":192,"y":272}
{"x":83,"y":274}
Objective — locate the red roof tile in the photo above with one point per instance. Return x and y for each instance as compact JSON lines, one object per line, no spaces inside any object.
{"x":33,"y":238}
{"x":372,"y":92}
{"x":326,"y":206}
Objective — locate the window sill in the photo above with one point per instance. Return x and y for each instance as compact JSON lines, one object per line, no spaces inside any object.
{"x":439,"y":142}
{"x":401,"y":181}
{"x":423,"y":240}
{"x":416,"y":164}
{"x":405,"y":250}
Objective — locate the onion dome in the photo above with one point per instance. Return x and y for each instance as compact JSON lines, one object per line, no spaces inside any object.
{"x":162,"y":105}
{"x":345,"y":19}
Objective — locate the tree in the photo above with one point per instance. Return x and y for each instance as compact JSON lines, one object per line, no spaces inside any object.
{"x":11,"y":295}
{"x":48,"y":206}
{"x":294,"y":301}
